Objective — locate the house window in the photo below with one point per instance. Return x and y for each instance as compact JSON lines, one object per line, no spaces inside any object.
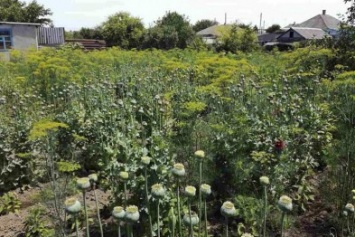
{"x":291,"y":34}
{"x":5,"y":39}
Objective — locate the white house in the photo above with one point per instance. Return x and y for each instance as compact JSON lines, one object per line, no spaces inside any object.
{"x":18,"y":35}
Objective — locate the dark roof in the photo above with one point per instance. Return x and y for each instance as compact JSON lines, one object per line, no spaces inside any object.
{"x":19,"y":23}
{"x":321,"y":21}
{"x":308,"y":33}
{"x":269,"y":37}
{"x":215,"y":30}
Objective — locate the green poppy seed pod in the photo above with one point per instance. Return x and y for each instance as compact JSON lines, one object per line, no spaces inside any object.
{"x":190,"y":191}
{"x":72,"y":206}
{"x":285,"y":203}
{"x":247,"y":235}
{"x":158,"y":191}
{"x":93,"y":178}
{"x":123,"y":175}
{"x":264,"y":180}
{"x":145,"y":160}
{"x":132,"y":213}
{"x":83,"y":183}
{"x":200,"y":154}
{"x":178,"y":170}
{"x":228,"y":209}
{"x":194,"y":220}
{"x":205,"y":190}
{"x":118,"y":213}
{"x":349,"y":207}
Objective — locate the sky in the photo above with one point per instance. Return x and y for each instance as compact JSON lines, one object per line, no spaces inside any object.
{"x":74,"y":14}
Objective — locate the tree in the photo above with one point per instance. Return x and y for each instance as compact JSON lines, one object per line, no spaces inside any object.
{"x":171,"y":31}
{"x":351,"y":11}
{"x":236,"y":39}
{"x":273,"y":28}
{"x":123,"y":30}
{"x":18,"y":11}
{"x":203,"y":24}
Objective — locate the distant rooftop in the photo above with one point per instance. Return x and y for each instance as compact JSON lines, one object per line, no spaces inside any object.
{"x":321,"y":21}
{"x":19,"y":23}
{"x":214,"y":31}
{"x":309,"y":33}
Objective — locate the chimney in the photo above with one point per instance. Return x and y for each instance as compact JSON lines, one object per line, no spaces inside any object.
{"x":324,"y":12}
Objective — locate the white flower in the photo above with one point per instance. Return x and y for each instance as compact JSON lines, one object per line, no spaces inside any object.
{"x":178,"y":170}
{"x":349,"y":207}
{"x":200,"y":154}
{"x":228,"y":209}
{"x":123,"y":175}
{"x":285,"y":203}
{"x":158,"y":191}
{"x":145,"y":160}
{"x":72,"y":206}
{"x":205,"y":189}
{"x":264,"y":180}
{"x":132,"y":214}
{"x":93,"y":178}
{"x":190,"y":191}
{"x":193,"y":220}
{"x":83,"y":183}
{"x":118,"y":213}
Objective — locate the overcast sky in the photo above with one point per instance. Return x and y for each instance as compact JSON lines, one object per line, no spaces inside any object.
{"x":74,"y":14}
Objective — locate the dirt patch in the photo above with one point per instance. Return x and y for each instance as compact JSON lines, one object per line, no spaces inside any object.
{"x":12,"y":225}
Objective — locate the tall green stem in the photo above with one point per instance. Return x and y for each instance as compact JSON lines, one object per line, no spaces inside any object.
{"x":200,"y":200}
{"x":227,"y":227}
{"x":119,"y":229}
{"x":98,"y":213}
{"x":190,"y":216}
{"x":158,"y":218}
{"x":206,"y":231}
{"x":86,"y":215}
{"x":76,"y":226}
{"x":125,"y":204}
{"x":178,"y":203}
{"x":282,"y":223}
{"x":265,"y":211}
{"x":147,"y":201}
{"x":125,"y":194}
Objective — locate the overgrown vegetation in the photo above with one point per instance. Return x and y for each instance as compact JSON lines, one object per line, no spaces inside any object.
{"x":287,"y":116}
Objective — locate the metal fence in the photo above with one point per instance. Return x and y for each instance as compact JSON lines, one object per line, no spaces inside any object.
{"x":51,"y":36}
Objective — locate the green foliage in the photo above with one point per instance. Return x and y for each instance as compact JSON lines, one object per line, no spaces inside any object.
{"x":36,"y":223}
{"x":171,"y":31}
{"x":273,"y":28}
{"x":9,"y":203}
{"x":254,"y":114}
{"x":43,"y":127}
{"x":65,"y":166}
{"x":236,"y":38}
{"x":123,"y":30}
{"x":21,"y":11}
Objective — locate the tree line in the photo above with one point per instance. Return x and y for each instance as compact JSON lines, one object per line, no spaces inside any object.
{"x":123,"y":30}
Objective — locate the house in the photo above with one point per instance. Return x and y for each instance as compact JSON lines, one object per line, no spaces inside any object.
{"x":269,"y":37}
{"x":24,"y":35}
{"x":322,"y":21}
{"x":296,"y":34}
{"x":18,"y":35}
{"x":315,"y":28}
{"x":212,"y":33}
